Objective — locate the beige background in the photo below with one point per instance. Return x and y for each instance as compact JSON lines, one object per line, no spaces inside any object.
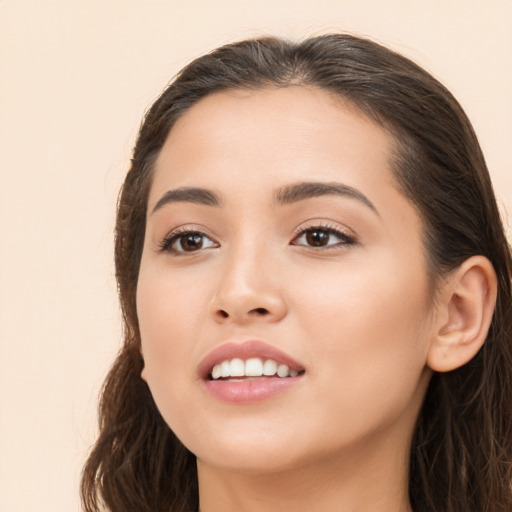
{"x":75,"y":79}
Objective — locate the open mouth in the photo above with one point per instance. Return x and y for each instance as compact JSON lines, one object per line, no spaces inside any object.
{"x":249,"y":372}
{"x":252,"y":369}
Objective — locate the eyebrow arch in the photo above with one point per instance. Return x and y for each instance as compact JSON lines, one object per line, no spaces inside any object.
{"x":188,"y":195}
{"x":307,"y":190}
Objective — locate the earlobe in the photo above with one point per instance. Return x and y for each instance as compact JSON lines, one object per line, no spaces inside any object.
{"x":464,"y":313}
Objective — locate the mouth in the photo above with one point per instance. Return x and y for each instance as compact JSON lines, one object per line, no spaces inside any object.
{"x":248,"y":372}
{"x":251,"y":369}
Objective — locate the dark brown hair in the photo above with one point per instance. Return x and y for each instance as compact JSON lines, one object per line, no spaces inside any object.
{"x":461,"y":456}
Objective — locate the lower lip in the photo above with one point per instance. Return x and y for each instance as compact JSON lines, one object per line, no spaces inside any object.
{"x":249,"y":391}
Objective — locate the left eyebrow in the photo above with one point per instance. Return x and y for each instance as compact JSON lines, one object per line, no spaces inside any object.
{"x":307,"y":190}
{"x":188,"y":195}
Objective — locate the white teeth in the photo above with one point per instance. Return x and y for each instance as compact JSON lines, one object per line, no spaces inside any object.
{"x":269,"y":367}
{"x":237,"y":368}
{"x":216,"y":372}
{"x":225,"y":369}
{"x":282,"y":370}
{"x":253,"y":367}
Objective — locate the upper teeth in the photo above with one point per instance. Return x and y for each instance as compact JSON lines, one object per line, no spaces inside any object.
{"x":254,"y":367}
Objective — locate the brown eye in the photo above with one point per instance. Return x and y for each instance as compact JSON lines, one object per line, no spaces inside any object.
{"x":317,"y":238}
{"x":323,"y":238}
{"x":189,"y":241}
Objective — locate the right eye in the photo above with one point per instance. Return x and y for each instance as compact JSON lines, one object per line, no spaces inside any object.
{"x":186,"y":242}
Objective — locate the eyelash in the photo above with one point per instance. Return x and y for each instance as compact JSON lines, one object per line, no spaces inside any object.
{"x":166,"y":244}
{"x":345,"y":239}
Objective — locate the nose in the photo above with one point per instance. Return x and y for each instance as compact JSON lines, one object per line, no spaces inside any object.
{"x":249,"y":290}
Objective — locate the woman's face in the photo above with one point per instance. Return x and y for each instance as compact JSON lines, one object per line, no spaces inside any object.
{"x":275,"y":232}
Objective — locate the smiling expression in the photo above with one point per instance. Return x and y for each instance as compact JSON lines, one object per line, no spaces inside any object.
{"x":275,"y":232}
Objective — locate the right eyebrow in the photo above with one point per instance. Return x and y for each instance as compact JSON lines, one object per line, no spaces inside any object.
{"x":188,"y":195}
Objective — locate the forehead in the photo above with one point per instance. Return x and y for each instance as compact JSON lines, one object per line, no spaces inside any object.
{"x":281,"y":134}
{"x":245,"y":145}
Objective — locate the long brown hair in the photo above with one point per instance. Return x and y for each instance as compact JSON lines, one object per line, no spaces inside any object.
{"x":461,"y":456}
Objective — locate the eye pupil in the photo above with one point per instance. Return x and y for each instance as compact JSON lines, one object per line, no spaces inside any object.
{"x":317,"y":238}
{"x":191,"y":242}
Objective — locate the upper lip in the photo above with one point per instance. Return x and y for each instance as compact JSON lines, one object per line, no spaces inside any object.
{"x":245,"y":350}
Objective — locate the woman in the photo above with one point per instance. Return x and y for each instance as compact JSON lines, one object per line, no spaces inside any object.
{"x":316,"y":289}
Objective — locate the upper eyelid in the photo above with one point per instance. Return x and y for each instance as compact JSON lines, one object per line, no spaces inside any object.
{"x":332,"y":231}
{"x":189,"y":228}
{"x":297,"y":231}
{"x":326,"y":225}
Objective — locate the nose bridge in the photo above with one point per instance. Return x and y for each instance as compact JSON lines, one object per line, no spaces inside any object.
{"x":248,"y":284}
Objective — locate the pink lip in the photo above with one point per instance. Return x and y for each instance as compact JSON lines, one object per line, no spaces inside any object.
{"x":247,"y":391}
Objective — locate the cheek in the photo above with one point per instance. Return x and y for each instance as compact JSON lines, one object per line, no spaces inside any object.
{"x":167,"y":332}
{"x":369,"y":325}
{"x":171,"y":301}
{"x":167,"y":308}
{"x":374,"y":295}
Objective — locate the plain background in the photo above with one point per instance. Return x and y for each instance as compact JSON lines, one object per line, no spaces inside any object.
{"x":75,"y":80}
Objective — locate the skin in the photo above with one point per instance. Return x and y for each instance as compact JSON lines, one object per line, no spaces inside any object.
{"x":356,"y":314}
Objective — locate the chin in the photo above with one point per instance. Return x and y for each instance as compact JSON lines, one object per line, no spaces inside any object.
{"x":262,"y":463}
{"x":247,"y":450}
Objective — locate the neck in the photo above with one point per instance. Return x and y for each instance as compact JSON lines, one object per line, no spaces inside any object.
{"x":369,"y":481}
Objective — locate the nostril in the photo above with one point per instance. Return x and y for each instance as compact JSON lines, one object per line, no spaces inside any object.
{"x":260,"y":311}
{"x":244,"y":315}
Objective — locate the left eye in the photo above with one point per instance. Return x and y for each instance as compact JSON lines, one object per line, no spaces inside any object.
{"x":190,"y":241}
{"x":322,"y":237}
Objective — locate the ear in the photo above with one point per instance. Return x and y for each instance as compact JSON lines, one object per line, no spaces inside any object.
{"x":465,"y":308}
